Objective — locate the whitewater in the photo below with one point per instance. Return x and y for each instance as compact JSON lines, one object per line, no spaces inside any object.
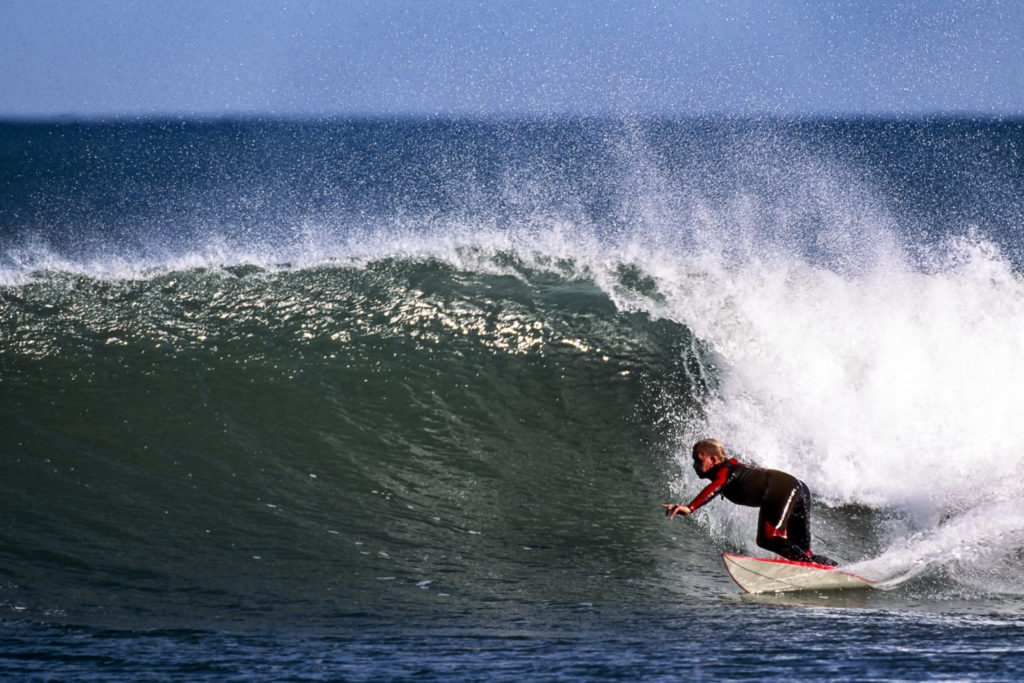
{"x":381,"y":399}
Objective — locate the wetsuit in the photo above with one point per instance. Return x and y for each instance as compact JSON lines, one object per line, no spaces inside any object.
{"x":784,"y":524}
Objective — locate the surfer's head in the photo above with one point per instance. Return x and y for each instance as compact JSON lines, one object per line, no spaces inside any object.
{"x":711,"y":447}
{"x":707,"y":455}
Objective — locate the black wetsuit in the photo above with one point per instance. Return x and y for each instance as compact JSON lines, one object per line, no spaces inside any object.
{"x":784,"y":524}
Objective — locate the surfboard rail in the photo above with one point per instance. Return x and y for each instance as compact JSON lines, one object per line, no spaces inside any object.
{"x":771,"y":575}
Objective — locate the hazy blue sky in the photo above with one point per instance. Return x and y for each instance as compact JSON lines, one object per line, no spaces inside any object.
{"x":288,"y":57}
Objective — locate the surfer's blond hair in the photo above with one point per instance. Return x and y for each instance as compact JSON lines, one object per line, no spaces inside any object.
{"x":711,"y":447}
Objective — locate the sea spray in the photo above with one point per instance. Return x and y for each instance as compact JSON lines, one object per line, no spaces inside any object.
{"x":492,"y":345}
{"x":896,"y":389}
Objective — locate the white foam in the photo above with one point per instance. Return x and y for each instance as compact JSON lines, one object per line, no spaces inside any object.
{"x":981,"y":547}
{"x":894,"y":387}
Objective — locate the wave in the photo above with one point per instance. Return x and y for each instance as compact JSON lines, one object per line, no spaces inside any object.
{"x":425,"y":419}
{"x":482,"y":408}
{"x":196,"y":423}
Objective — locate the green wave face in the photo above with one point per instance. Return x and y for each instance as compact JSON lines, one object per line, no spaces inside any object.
{"x":342,"y":438}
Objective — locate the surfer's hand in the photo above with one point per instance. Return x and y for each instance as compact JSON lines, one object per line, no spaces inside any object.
{"x":672,"y":509}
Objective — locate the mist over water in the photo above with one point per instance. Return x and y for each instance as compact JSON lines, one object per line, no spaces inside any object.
{"x":312,"y":370}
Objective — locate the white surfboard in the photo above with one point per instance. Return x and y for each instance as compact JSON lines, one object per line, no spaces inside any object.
{"x":761,"y":575}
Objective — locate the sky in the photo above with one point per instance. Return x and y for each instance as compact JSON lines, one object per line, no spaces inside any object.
{"x":137,"y":58}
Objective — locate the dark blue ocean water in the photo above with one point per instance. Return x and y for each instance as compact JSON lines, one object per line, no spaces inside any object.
{"x":379,"y":400}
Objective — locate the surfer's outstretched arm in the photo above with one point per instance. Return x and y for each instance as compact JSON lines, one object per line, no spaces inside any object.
{"x":673,"y":509}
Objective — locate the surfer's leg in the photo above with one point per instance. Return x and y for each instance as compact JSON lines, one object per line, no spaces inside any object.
{"x":799,"y":527}
{"x":774,"y":518}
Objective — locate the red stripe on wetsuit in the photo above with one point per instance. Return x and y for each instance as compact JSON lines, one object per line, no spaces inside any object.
{"x":721,"y":474}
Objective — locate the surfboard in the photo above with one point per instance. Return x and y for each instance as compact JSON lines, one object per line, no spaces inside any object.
{"x":762,"y":575}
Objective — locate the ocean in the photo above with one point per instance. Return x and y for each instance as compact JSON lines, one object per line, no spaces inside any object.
{"x":401,"y":399}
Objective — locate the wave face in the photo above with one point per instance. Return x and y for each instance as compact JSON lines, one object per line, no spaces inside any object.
{"x":295,"y":371}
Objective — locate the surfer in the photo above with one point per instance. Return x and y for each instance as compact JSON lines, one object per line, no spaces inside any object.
{"x":784,"y":524}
